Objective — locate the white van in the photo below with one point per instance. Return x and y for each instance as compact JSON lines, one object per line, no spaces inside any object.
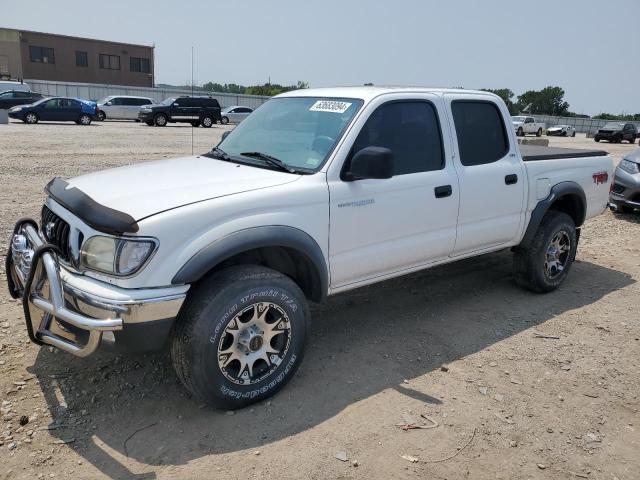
{"x":9,"y":85}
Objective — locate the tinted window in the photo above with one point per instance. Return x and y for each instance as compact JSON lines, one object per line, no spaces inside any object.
{"x":529,"y":120}
{"x":81,"y":59}
{"x":41,"y":55}
{"x":70,"y":103}
{"x":410,"y":130}
{"x":132,"y":102}
{"x":482,"y":137}
{"x":117,"y":101}
{"x":53,"y":103}
{"x":243,"y":110}
{"x":188,"y":102}
{"x":210,"y":102}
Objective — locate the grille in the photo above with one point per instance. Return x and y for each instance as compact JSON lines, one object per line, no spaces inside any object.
{"x":56,"y":231}
{"x":617,"y":188}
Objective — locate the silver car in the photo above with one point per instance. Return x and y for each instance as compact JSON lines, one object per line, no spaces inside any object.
{"x":235,"y":114}
{"x":121,"y":107}
{"x":625,"y":191}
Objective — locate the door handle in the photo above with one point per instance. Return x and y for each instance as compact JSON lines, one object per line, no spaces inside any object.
{"x":511,"y":179}
{"x":443,"y":191}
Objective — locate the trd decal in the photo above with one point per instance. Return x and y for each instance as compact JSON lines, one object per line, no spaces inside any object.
{"x":600,"y":177}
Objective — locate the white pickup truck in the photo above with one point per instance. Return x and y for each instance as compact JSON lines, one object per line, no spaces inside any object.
{"x":524,"y":125}
{"x":318,"y":192}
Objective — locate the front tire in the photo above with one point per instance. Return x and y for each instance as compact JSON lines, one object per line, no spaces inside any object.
{"x":240,"y":337}
{"x":160,"y":120}
{"x":31,"y":118}
{"x":545,"y":264}
{"x":224,"y":120}
{"x":101,"y":116}
{"x":195,"y":123}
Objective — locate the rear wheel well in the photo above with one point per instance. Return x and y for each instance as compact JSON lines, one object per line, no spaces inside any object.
{"x":288,"y":261}
{"x":572,"y":205}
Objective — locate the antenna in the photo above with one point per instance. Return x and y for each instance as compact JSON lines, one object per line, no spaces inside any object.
{"x":192,"y":127}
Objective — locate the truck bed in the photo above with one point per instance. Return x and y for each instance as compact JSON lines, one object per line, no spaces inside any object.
{"x":532,"y":153}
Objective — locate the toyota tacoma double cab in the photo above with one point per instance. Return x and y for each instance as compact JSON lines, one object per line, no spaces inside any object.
{"x":317,"y":192}
{"x":524,"y":125}
{"x":197,"y":111}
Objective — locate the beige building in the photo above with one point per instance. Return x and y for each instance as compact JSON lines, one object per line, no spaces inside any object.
{"x":46,"y":56}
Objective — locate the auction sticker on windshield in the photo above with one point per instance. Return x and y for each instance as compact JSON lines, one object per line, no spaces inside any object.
{"x":330,"y":106}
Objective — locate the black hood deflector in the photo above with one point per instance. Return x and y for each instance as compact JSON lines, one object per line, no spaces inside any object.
{"x":97,"y":216}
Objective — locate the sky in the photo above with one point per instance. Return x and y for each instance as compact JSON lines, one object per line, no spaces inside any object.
{"x":591,"y":48}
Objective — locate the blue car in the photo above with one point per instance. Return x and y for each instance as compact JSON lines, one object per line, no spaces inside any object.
{"x":56,"y":109}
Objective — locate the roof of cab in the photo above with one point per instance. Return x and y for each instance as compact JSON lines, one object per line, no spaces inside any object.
{"x":369,"y":92}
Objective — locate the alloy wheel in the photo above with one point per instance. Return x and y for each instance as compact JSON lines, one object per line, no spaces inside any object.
{"x":254,"y":343}
{"x":557,"y":255}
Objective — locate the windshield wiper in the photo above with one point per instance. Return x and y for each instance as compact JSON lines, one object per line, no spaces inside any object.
{"x":276,"y":162}
{"x":218,"y":153}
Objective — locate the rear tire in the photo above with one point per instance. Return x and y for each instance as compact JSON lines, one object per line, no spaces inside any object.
{"x":240,"y":336}
{"x":160,"y":120}
{"x":542,"y":267}
{"x":539,"y":132}
{"x":207,"y":121}
{"x":632,"y":141}
{"x":520,"y":132}
{"x":195,"y":123}
{"x":84,"y":119}
{"x":573,"y":134}
{"x":626,"y":210}
{"x":149,"y":123}
{"x":597,"y":139}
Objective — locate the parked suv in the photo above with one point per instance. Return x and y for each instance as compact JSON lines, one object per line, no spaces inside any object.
{"x":13,"y":98}
{"x":203,"y":111}
{"x":617,"y":132}
{"x":121,"y":107}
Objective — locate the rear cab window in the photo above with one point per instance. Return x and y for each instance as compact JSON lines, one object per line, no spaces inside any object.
{"x":482,"y":136}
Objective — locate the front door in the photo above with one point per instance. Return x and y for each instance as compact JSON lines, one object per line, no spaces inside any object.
{"x":490,"y":172}
{"x":379,"y":227}
{"x":51,"y":109}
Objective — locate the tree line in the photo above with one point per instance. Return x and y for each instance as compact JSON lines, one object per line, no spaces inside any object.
{"x":548,"y":101}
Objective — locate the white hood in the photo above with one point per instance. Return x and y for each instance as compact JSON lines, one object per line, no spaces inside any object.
{"x":152,"y":187}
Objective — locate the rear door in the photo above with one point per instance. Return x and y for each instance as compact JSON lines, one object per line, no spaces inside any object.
{"x":70,"y":109}
{"x":130,"y":108}
{"x":490,"y":174}
{"x":379,"y":227}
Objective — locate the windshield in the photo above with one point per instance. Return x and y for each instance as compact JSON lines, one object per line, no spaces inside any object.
{"x":518,"y":119}
{"x":168,"y":101}
{"x":612,"y":126}
{"x":104,"y":100}
{"x":299,"y":131}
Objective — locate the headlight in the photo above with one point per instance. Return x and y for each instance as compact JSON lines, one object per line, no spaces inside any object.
{"x":629,"y":166}
{"x":116,"y":256}
{"x":16,"y":109}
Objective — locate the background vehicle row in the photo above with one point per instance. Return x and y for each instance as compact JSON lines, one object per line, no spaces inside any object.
{"x":57,"y":109}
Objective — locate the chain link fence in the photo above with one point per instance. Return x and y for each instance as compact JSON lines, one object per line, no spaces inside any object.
{"x":582,"y":125}
{"x":91,"y":91}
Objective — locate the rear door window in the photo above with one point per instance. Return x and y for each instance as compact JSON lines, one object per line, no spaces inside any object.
{"x":482,"y":136}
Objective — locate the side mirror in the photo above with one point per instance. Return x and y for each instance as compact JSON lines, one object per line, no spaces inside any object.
{"x":371,"y":162}
{"x":108,"y":104}
{"x":225,"y":135}
{"x":176,"y":104}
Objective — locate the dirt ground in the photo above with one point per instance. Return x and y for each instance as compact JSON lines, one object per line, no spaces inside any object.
{"x":518,"y":385}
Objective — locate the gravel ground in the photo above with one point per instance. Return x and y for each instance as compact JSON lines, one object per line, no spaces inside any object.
{"x":518,"y":385}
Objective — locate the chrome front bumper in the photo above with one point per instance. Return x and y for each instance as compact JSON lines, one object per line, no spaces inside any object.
{"x":71,"y":311}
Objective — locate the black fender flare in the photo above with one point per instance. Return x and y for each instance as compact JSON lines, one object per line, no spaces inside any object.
{"x":258,"y":237}
{"x":558,"y":191}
